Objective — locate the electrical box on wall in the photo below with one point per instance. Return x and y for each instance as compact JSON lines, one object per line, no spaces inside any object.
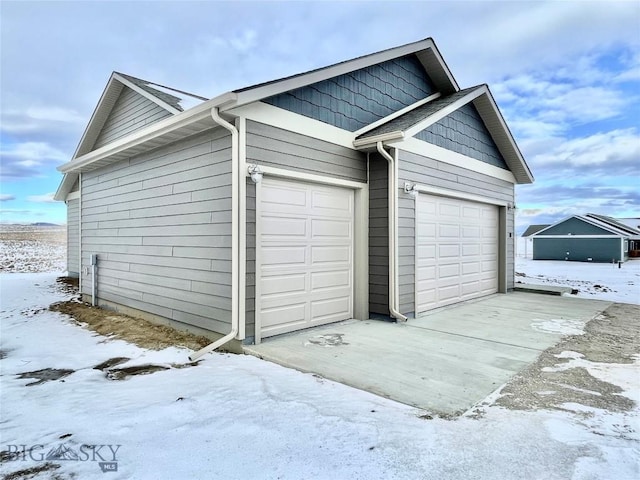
{"x":94,"y":259}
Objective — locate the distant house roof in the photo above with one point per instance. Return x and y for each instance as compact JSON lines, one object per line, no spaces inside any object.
{"x":531,"y":229}
{"x":600,"y":221}
{"x":614,"y":223}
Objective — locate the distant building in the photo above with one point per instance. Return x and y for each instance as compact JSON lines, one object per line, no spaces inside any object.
{"x":585,"y":238}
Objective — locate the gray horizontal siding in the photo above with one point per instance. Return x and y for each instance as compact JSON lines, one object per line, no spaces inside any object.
{"x":131,"y":112}
{"x":275,"y":147}
{"x":426,"y":171}
{"x":464,"y":132}
{"x":160,"y":223}
{"x":354,"y":100}
{"x":577,"y":249}
{"x":378,"y":236}
{"x":73,"y":232}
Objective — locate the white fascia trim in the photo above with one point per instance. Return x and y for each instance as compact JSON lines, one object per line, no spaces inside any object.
{"x":73,"y":196}
{"x":309,"y":177}
{"x":397,"y":114}
{"x":90,"y":126}
{"x":298,"y":81}
{"x":448,"y":110}
{"x":278,"y":117}
{"x":146,"y":94}
{"x":197,"y":113}
{"x":440,"y":154}
{"x":443,"y":192}
{"x":577,"y":236}
{"x":373,"y":141}
{"x":579,"y":217}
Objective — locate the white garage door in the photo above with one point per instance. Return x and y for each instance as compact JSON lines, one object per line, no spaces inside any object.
{"x":456,"y":251}
{"x":305,"y":242}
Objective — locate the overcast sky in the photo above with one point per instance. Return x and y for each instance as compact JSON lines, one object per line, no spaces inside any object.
{"x":566,"y":76}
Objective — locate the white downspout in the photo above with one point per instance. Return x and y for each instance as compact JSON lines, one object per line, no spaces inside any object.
{"x":393,"y":232}
{"x":215,"y":114}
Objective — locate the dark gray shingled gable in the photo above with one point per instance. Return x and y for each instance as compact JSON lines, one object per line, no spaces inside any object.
{"x":464,"y":132}
{"x":409,"y":119}
{"x":356,"y":99}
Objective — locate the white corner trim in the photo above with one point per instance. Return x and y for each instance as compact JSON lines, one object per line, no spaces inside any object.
{"x":309,"y":177}
{"x":146,"y":94}
{"x":443,"y":192}
{"x":576,"y":236}
{"x":440,"y":154}
{"x":278,"y":117}
{"x":397,"y":114}
{"x":443,"y":112}
{"x":73,"y":196}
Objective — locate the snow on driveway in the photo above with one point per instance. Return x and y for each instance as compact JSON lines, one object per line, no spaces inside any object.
{"x":237,"y":417}
{"x":598,"y":281}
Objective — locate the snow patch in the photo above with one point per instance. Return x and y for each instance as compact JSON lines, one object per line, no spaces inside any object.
{"x":559,"y":326}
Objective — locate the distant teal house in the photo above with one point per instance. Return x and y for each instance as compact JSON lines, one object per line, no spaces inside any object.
{"x":586,"y":238}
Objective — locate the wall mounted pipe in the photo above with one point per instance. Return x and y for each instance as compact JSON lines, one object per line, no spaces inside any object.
{"x":235,"y":280}
{"x":393,"y":231}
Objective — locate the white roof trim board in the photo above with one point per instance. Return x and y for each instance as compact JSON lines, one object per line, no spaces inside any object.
{"x":592,"y":221}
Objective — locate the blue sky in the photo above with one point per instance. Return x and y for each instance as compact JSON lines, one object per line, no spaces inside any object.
{"x":566,"y":76}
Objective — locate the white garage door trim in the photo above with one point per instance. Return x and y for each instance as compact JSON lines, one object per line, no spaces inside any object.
{"x":307,"y":305}
{"x":484,"y":276}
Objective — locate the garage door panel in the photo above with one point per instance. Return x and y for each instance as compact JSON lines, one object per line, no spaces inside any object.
{"x":280,"y":284}
{"x":327,"y":229}
{"x":331,"y":254}
{"x":283,"y":256}
{"x":330,"y":203}
{"x":274,"y":227}
{"x":330,"y":310}
{"x":305,"y":255}
{"x":330,"y":279}
{"x":457,"y":251}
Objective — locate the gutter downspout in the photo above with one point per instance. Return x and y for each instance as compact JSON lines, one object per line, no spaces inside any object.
{"x":80,"y":235}
{"x":393,"y":231}
{"x":215,"y":115}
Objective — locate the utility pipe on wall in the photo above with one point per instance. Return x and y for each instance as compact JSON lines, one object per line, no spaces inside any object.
{"x":235,"y":280}
{"x":393,"y":232}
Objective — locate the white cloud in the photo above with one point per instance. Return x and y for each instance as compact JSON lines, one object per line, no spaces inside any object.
{"x":613,"y":152}
{"x":34,"y":119}
{"x":5,"y":197}
{"x":46,"y":198}
{"x":29,"y":159}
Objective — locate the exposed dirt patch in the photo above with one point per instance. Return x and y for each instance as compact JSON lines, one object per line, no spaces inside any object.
{"x":123,"y":373}
{"x":3,"y":354}
{"x":31,"y":472}
{"x":45,"y":375}
{"x":32,"y":248}
{"x":141,"y":332}
{"x":68,"y":285}
{"x":112,"y":362}
{"x":609,"y":338}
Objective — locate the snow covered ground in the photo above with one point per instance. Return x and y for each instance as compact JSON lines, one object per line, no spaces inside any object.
{"x":603,"y":281}
{"x":237,"y":417}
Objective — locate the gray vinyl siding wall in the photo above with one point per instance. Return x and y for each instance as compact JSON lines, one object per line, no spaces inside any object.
{"x":160,"y":223}
{"x":579,"y":249}
{"x":131,"y":112}
{"x":275,"y":147}
{"x":354,"y":100}
{"x":73,"y":224}
{"x":464,"y":132}
{"x":426,"y":171}
{"x":378,"y":235}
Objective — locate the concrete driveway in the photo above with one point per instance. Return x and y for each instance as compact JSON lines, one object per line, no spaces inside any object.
{"x":444,"y":362}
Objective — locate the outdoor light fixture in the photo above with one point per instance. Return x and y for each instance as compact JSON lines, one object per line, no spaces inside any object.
{"x":255,"y":173}
{"x":410,"y":188}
